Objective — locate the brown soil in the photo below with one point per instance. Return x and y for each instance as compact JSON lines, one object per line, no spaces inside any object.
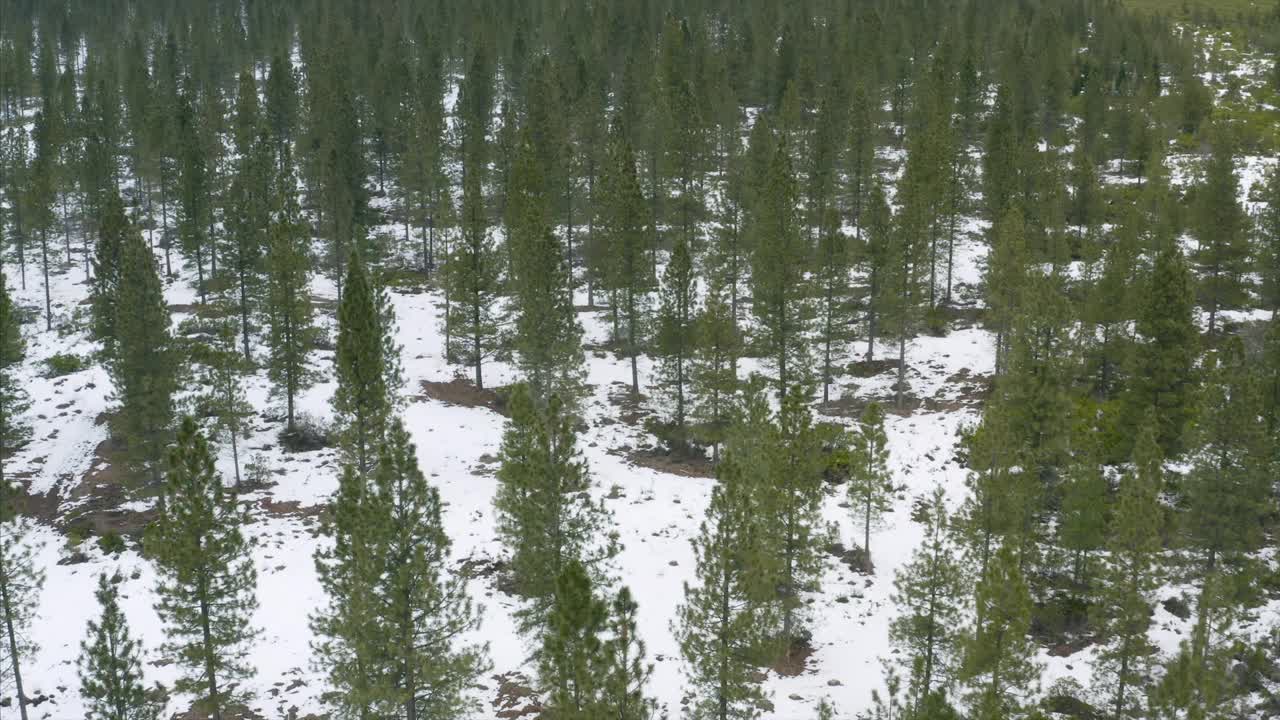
{"x":682,"y":464}
{"x":516,"y":698}
{"x":632,"y":412}
{"x":793,"y":662}
{"x":871,"y":368}
{"x":289,"y":508}
{"x":464,"y":393}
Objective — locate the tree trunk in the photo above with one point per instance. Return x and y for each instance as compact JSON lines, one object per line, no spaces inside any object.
{"x":7,"y":601}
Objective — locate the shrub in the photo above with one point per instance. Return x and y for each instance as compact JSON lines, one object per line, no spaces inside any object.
{"x":111,"y":543}
{"x":64,"y":364}
{"x":309,"y":434}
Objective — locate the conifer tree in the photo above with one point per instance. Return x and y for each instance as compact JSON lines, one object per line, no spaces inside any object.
{"x":244,"y":245}
{"x":348,"y":647}
{"x":1006,"y":279}
{"x":1222,"y":229}
{"x":623,"y":669}
{"x":926,"y":590}
{"x":21,"y":582}
{"x":546,"y":515}
{"x":224,"y":398}
{"x":780,"y":295}
{"x":287,"y":302}
{"x":472,"y":279}
{"x":1082,"y":527}
{"x":548,"y":337}
{"x":722,"y":624}
{"x":572,"y":650}
{"x":207,"y":581}
{"x":1165,"y":355}
{"x":877,"y":235}
{"x":999,"y":659}
{"x":362,"y":401}
{"x":902,"y":294}
{"x":861,"y":156}
{"x":110,"y":663}
{"x":870,"y":482}
{"x":627,"y":276}
{"x":1199,"y":681}
{"x":41,"y":189}
{"x":1129,"y":579}
{"x":1269,"y":235}
{"x":835,"y":311}
{"x":112,"y":231}
{"x":713,"y":377}
{"x":1228,"y":488}
{"x":194,"y":190}
{"x":674,"y":339}
{"x":144,"y":367}
{"x":422,"y":610}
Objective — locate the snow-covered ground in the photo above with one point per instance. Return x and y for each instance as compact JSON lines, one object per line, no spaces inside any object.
{"x":656,"y":513}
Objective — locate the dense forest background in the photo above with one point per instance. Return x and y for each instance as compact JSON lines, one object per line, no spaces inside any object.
{"x":713,"y":359}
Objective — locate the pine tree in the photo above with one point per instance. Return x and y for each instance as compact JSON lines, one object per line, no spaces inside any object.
{"x":224,"y":398}
{"x":1222,"y":229}
{"x":877,"y":236}
{"x":546,"y":516}
{"x":627,"y":276}
{"x":674,"y":339}
{"x":41,"y":189}
{"x":713,"y":377}
{"x":1165,"y":356}
{"x":1199,"y":681}
{"x":572,"y":649}
{"x":1082,"y":527}
{"x":1229,"y":485}
{"x":722,"y":625}
{"x":14,"y":400}
{"x":1129,"y":579}
{"x":422,"y":611}
{"x":548,"y":337}
{"x":786,"y":466}
{"x":110,"y":663}
{"x":623,"y":669}
{"x":21,"y":582}
{"x":861,"y":155}
{"x":472,"y":279}
{"x":207,"y":585}
{"x":835,"y":311}
{"x":1269,"y":237}
{"x":870,"y":482}
{"x":902,"y":292}
{"x":1006,"y":279}
{"x":348,"y":647}
{"x":926,"y":590}
{"x":113,"y":229}
{"x":244,"y":245}
{"x":287,"y":304}
{"x":144,"y":367}
{"x":363,"y":401}
{"x":999,"y":660}
{"x":194,"y":190}
{"x":780,"y":294}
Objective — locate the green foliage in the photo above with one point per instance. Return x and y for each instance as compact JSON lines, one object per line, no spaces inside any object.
{"x":546,"y":516}
{"x":287,"y":304}
{"x":870,"y":482}
{"x":364,"y":399}
{"x":206,"y":589}
{"x":110,"y":666}
{"x":999,"y":664}
{"x":64,"y":364}
{"x":674,"y":339}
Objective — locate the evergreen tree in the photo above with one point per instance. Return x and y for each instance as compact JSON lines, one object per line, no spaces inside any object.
{"x":926,"y":590}
{"x":471,"y":276}
{"x":41,"y":189}
{"x":194,"y":190}
{"x":870,"y":482}
{"x":722,"y":625}
{"x":902,"y":294}
{"x":1164,"y":358}
{"x":572,"y":649}
{"x":110,"y":665}
{"x":224,"y":398}
{"x":999,"y":659}
{"x":144,"y":367}
{"x":1222,"y":229}
{"x":287,"y":302}
{"x":627,"y":277}
{"x":363,"y":401}
{"x":835,"y":311}
{"x":349,"y":648}
{"x":861,"y":155}
{"x":623,"y":669}
{"x":207,"y":584}
{"x":1269,"y":235}
{"x":713,"y":377}
{"x":1129,"y":579}
{"x":548,"y":337}
{"x":780,"y":294}
{"x":1082,"y":528}
{"x":877,"y":236}
{"x":244,"y":247}
{"x":674,"y":340}
{"x":546,"y":516}
{"x":20,"y":578}
{"x":421,"y":610}
{"x":112,"y":232}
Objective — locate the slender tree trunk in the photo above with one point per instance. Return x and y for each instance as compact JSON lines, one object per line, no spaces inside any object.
{"x":48,"y":300}
{"x":902,"y":371}
{"x":7,"y":602}
{"x":206,"y":633}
